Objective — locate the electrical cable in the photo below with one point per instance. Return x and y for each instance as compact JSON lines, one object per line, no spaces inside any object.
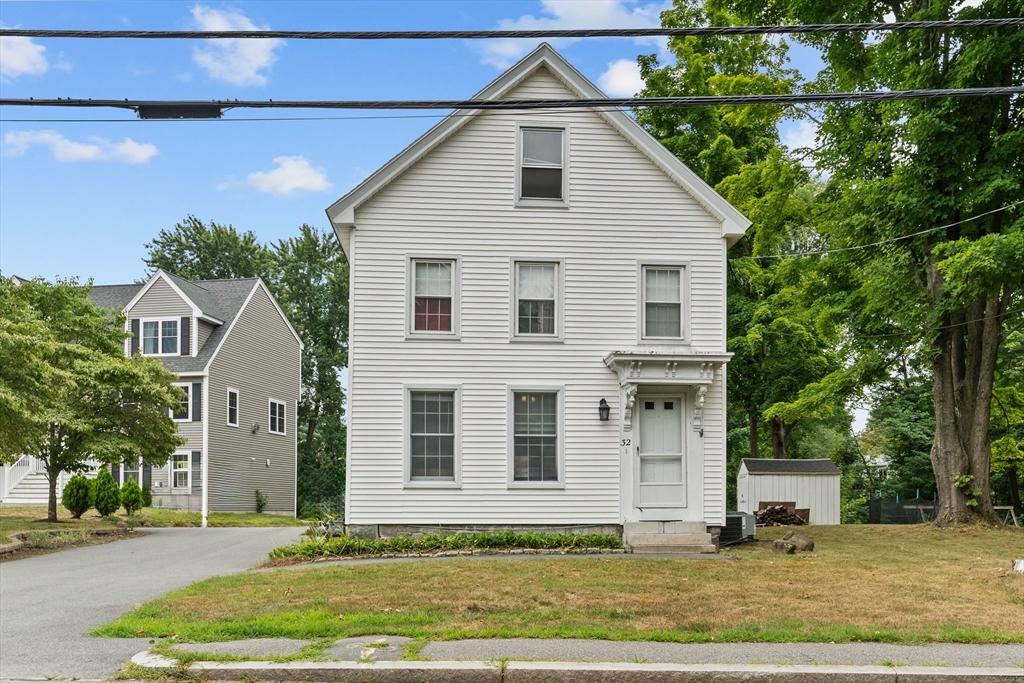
{"x":524,"y":33}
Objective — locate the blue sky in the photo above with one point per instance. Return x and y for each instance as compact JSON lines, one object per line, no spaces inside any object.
{"x":83,"y":198}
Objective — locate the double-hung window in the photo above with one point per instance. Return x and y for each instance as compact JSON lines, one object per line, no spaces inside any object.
{"x":536,"y":299}
{"x":542,"y":164}
{"x":535,"y":438}
{"x":183,"y":412}
{"x":159,"y":337}
{"x":432,"y":435}
{"x":277,"y":423}
{"x":181,"y":473}
{"x":663,"y":302}
{"x":433,"y":296}
{"x":232,"y":407}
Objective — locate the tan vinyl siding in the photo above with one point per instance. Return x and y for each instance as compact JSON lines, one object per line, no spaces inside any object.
{"x":459,"y":201}
{"x":260,"y":358}
{"x":203,"y":333}
{"x":160,"y":301}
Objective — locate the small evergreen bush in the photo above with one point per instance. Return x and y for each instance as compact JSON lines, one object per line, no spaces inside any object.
{"x":107,"y":495}
{"x":147,"y":497}
{"x":261,"y":501}
{"x":77,"y":497}
{"x":131,"y":497}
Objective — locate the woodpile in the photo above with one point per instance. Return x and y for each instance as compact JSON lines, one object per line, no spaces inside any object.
{"x":777,"y":515}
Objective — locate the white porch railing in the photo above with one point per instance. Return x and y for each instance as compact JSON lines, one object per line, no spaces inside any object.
{"x":13,"y":474}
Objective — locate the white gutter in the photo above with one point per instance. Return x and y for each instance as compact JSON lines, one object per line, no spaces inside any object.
{"x":206,"y":450}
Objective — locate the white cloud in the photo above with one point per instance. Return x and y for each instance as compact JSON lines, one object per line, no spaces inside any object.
{"x":233,"y":60}
{"x":622,"y":79}
{"x":573,"y":14}
{"x":291,"y":174}
{"x":21,"y":57}
{"x":801,"y":135}
{"x":16,"y":143}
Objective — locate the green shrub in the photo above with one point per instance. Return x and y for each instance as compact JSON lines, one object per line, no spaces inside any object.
{"x":131,"y":497}
{"x":77,"y":497}
{"x":495,"y":540}
{"x":147,"y":497}
{"x":107,"y":495}
{"x":38,"y":539}
{"x":261,"y":501}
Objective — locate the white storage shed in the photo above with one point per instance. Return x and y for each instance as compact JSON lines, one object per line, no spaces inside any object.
{"x":812,"y":484}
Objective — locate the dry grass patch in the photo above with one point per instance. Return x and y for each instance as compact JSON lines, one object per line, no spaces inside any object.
{"x":14,"y":518}
{"x":896,"y":584}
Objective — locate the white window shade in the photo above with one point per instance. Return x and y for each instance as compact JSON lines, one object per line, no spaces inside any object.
{"x":542,"y":148}
{"x":433,"y":278}
{"x":536,"y":282}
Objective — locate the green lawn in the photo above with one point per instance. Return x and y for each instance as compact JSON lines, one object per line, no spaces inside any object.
{"x":874,"y":583}
{"x":31,"y":517}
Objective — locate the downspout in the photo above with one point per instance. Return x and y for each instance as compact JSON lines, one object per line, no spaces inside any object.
{"x":206,"y":450}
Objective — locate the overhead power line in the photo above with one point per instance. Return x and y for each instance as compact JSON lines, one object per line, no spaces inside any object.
{"x":526,"y":33}
{"x":205,"y":109}
{"x":822,"y":252}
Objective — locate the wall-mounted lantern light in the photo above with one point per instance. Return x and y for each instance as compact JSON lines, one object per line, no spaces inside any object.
{"x":255,"y":427}
{"x":603,"y":410}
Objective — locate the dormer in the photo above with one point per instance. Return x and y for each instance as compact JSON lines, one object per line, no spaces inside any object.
{"x":170,"y":316}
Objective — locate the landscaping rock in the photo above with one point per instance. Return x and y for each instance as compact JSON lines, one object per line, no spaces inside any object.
{"x":1018,"y":567}
{"x":783,"y":547}
{"x":377,"y":648}
{"x":802,"y":543}
{"x":256,"y":647}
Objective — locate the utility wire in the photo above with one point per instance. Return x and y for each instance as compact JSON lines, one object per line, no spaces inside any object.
{"x":880,"y":242}
{"x":527,"y":33}
{"x":523,"y":104}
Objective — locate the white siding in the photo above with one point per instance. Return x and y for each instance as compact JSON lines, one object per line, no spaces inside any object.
{"x":818,"y":492}
{"x":458,"y":201}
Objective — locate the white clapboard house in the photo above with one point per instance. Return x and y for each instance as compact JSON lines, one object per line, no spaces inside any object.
{"x":512,"y":274}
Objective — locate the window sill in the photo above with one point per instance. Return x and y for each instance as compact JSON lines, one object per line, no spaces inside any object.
{"x":549,"y":485}
{"x":664,"y":341}
{"x":535,"y":339}
{"x":541,"y":204}
{"x":427,"y":484}
{"x":432,"y":336}
{"x":277,"y":433}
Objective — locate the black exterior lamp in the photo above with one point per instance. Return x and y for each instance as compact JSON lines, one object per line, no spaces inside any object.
{"x":603,"y":410}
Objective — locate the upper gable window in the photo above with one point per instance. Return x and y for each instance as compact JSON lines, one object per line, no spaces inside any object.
{"x":542,"y":164}
{"x":159,"y":337}
{"x":663,"y":296}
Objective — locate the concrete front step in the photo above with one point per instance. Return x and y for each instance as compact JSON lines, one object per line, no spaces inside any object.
{"x":674,"y":549}
{"x":630,"y":528}
{"x":668,"y":539}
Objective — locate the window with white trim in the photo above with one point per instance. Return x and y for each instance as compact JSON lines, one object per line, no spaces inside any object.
{"x":542,"y":167}
{"x":277,"y":423}
{"x":232,"y":407}
{"x":181,"y":471}
{"x":662,"y":302}
{"x":535,"y":436}
{"x":184,"y":411}
{"x":432,"y":435}
{"x":130,"y":469}
{"x":433,"y":291}
{"x":159,"y":337}
{"x":536,"y":292}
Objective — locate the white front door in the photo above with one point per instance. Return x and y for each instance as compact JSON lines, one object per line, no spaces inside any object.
{"x":660,"y":462}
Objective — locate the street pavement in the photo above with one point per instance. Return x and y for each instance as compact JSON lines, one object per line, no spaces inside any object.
{"x":49,"y":602}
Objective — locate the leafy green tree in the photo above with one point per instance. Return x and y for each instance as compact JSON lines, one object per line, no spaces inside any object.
{"x":110,"y":408}
{"x":107,"y":495}
{"x":196,"y":251}
{"x":1008,"y":417}
{"x":308,"y":275}
{"x":131,"y":497}
{"x":930,"y":179}
{"x":779,"y":349}
{"x":311,"y":283}
{"x":77,"y":496}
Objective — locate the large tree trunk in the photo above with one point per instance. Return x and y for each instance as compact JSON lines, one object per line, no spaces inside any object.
{"x":963,"y":364}
{"x":780,"y":437}
{"x":1014,"y":487}
{"x":752,"y":420}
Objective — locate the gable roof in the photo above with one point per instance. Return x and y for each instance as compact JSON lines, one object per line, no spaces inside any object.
{"x":342,"y":212}
{"x":193,"y":293}
{"x":113,"y":296}
{"x":771,"y":466}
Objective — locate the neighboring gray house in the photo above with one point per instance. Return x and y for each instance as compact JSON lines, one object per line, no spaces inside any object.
{"x":239,"y":360}
{"x":537,"y":333}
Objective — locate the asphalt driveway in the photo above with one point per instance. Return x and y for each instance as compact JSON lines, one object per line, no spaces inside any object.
{"x":49,"y":602}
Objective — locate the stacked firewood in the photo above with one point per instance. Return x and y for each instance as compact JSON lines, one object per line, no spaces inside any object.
{"x":777,"y":515}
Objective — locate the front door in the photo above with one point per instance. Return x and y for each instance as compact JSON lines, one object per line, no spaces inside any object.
{"x":660,"y":454}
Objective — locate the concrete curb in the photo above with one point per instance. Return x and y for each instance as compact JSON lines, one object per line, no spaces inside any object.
{"x":575,"y":672}
{"x":19,"y":538}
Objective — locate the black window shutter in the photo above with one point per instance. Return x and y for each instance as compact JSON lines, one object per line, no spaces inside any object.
{"x":135,"y":336}
{"x":197,"y":401}
{"x":147,"y":476}
{"x":115,"y":472}
{"x":197,"y":471}
{"x":186,"y":335}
